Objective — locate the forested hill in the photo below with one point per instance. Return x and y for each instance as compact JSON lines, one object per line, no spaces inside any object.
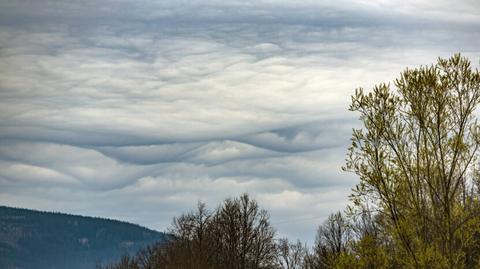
{"x":43,"y":240}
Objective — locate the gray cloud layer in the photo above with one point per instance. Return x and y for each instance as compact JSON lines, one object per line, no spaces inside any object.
{"x":137,"y":109}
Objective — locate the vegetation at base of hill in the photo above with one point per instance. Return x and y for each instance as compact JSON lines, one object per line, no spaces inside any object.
{"x":416,"y":205}
{"x":43,"y":240}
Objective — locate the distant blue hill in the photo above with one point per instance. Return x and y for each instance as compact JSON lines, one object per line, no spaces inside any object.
{"x":32,"y":239}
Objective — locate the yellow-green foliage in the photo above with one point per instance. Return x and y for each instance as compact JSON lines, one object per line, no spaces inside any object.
{"x":416,"y":158}
{"x":366,"y":254}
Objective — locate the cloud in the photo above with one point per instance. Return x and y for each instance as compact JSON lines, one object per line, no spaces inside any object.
{"x":138,"y":110}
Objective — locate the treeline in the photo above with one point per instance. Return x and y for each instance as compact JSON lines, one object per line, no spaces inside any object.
{"x":417,"y":204}
{"x":236,"y":235}
{"x":239,"y":235}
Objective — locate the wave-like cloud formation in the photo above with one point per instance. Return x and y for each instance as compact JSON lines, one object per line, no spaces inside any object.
{"x":137,"y":109}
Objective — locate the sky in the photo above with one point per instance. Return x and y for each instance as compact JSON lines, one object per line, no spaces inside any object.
{"x":136,"y":110}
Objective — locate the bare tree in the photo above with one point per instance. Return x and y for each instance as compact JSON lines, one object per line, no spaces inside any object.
{"x":291,"y":255}
{"x":237,"y":235}
{"x":191,"y":245}
{"x":245,"y":235}
{"x":332,"y":240}
{"x":126,"y":262}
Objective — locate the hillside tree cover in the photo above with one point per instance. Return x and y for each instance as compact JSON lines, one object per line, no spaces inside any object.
{"x":31,"y":239}
{"x":416,"y":204}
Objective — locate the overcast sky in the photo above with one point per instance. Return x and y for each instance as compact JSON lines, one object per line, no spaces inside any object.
{"x":135,"y":110}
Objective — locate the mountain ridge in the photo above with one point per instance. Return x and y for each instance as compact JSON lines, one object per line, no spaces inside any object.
{"x":40,"y":239}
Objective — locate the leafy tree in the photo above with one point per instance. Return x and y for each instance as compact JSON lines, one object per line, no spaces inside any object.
{"x":416,"y":158}
{"x":370,"y":246}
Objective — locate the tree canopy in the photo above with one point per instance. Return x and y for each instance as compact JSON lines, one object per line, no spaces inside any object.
{"x":416,"y":157}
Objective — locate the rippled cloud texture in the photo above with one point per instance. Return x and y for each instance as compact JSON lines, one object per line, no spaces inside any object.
{"x":136,"y":110}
